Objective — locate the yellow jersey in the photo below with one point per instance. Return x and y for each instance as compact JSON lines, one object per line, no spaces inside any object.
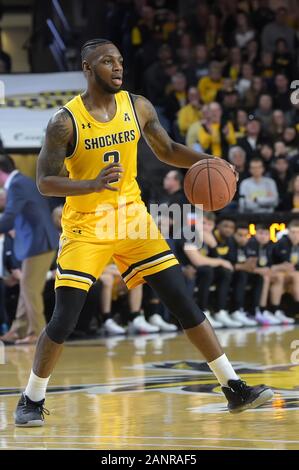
{"x":97,"y":144}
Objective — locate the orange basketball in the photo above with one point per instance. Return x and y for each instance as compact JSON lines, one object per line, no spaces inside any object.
{"x":210,"y":182}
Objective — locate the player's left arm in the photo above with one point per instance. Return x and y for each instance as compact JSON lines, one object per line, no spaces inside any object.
{"x":159,"y":141}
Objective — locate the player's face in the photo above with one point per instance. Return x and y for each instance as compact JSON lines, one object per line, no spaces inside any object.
{"x":208,"y":225}
{"x":226,"y":228}
{"x":262,"y":236}
{"x":106,"y":68}
{"x":294,"y":235}
{"x":241,"y":236}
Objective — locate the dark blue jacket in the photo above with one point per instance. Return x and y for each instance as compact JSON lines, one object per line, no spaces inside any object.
{"x":28,"y":212}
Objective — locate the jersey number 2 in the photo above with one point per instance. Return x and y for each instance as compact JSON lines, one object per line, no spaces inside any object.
{"x":112,"y":157}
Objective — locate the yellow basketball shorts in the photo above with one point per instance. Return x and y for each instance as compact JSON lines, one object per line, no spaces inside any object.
{"x":81,"y":260}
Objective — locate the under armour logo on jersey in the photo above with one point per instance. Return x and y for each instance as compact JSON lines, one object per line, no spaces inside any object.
{"x":127,"y":117}
{"x":86,"y":125}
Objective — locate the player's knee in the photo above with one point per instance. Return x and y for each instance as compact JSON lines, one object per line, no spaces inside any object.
{"x":61,"y":325}
{"x":58,"y":332}
{"x":187,"y":311}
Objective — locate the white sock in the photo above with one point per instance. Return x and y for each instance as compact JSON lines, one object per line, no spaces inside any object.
{"x":36,"y":387}
{"x":223,"y":370}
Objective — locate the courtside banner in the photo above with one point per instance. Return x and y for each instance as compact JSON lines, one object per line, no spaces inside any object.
{"x":29,"y":100}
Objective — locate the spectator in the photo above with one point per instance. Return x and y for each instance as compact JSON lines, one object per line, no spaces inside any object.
{"x":192,"y":133}
{"x":252,"y":53}
{"x":266,"y":152}
{"x":260,"y":247}
{"x":264,"y":110}
{"x":283,"y":61}
{"x":281,"y":175}
{"x":252,"y":139}
{"x":244,"y":83}
{"x":240,"y":123}
{"x":251,"y":96}
{"x":215,"y":136}
{"x":200,"y":65}
{"x":237,"y":157}
{"x":278,"y":29}
{"x":280,"y":149}
{"x":209,"y":86}
{"x":213,"y":36}
{"x":189,"y":113}
{"x":173,"y":187}
{"x":277,"y":124}
{"x":286,"y":261}
{"x":35,"y":243}
{"x":266,"y":67}
{"x":261,"y":15}
{"x":244,"y":32}
{"x":291,"y":140}
{"x":233,"y":67}
{"x":210,"y":268}
{"x":257,"y":193}
{"x":282,"y":93}
{"x":290,"y":201}
{"x":158,"y":75}
{"x":230,"y":104}
{"x":243,"y":277}
{"x":177,"y":98}
{"x":184,"y":52}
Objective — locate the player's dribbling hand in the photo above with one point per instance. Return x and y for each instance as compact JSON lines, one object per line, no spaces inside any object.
{"x":110,"y":174}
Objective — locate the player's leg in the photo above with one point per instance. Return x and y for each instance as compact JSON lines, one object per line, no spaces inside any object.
{"x":292,"y":283}
{"x":204,"y":280}
{"x":156,"y":312}
{"x":239,"y":283}
{"x":263,"y":315}
{"x":169,"y":284}
{"x":79,"y":264}
{"x":277,"y":289}
{"x":223,"y":279}
{"x":152,"y":260}
{"x":109,"y":324}
{"x":137,"y":322}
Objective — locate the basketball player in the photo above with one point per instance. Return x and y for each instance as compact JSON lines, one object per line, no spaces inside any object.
{"x":95,"y":137}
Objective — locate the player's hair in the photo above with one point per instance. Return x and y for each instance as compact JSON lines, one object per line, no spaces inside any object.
{"x":226,"y":217}
{"x":209,"y":216}
{"x":293,"y":223}
{"x":7,"y":165}
{"x":261,"y":226}
{"x":242,"y":226}
{"x":92,"y":44}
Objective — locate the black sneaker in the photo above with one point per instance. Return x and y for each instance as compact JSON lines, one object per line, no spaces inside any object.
{"x":30,"y":413}
{"x":241,"y":397}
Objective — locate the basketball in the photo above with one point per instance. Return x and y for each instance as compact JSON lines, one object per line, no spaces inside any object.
{"x":210,"y":182}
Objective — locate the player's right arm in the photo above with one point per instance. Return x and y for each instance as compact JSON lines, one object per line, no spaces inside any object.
{"x":51,"y":179}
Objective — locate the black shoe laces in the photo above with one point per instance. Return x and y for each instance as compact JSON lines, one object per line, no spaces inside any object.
{"x":33,"y":406}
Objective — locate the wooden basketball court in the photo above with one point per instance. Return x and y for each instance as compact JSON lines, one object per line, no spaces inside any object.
{"x":155,"y":392}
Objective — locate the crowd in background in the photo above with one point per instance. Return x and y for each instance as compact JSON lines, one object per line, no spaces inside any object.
{"x":220,"y":77}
